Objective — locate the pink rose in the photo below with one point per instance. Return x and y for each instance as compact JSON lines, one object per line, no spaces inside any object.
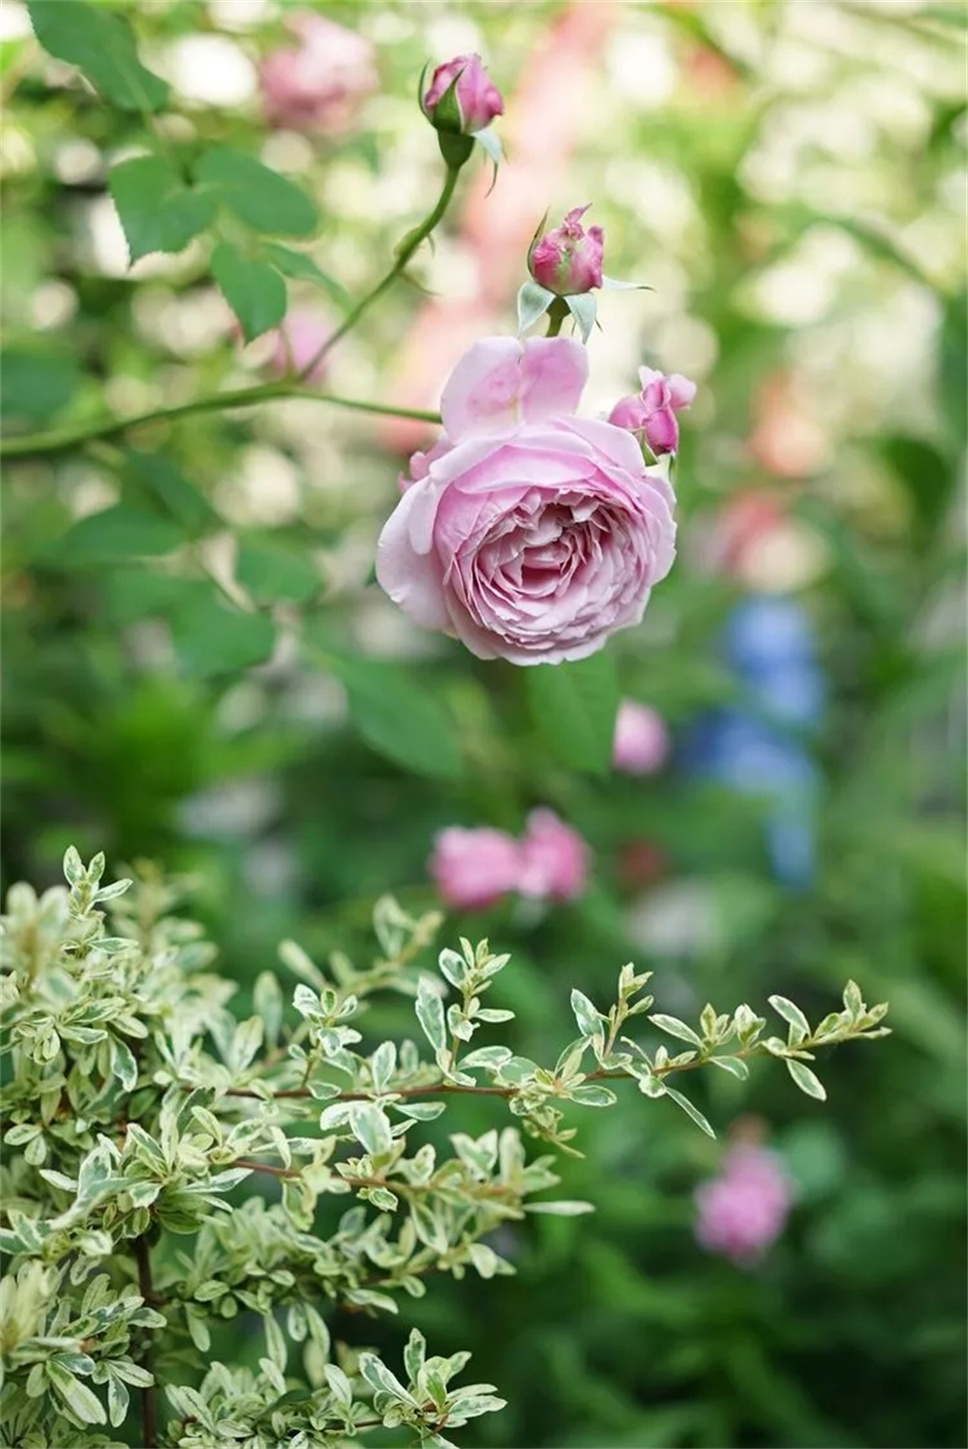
{"x":297,"y":341}
{"x":318,"y":84}
{"x":478,"y":98}
{"x":641,"y":745}
{"x":474,"y":868}
{"x":554,"y":859}
{"x":528,"y":533}
{"x":651,"y":413}
{"x":744,"y":1210}
{"x":568,"y":259}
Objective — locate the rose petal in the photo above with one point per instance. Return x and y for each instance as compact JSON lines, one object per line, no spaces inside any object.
{"x":555,"y":372}
{"x":411,"y":575}
{"x":482,"y":394}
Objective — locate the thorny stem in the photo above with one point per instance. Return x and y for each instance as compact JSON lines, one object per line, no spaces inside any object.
{"x":149,"y":1403}
{"x":63,"y":439}
{"x":405,"y":251}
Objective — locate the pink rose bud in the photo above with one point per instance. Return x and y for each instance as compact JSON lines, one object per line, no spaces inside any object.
{"x":317,"y":84}
{"x":651,"y":413}
{"x":568,"y":260}
{"x":641,"y":745}
{"x":474,"y":101}
{"x":555,"y":859}
{"x":297,"y":342}
{"x":744,"y":1210}
{"x":474,"y":868}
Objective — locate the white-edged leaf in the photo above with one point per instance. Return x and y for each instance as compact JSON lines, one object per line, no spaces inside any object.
{"x":565,"y":1208}
{"x":675,"y":1027}
{"x":792,"y":1014}
{"x":430,"y":1014}
{"x":806,"y":1080}
{"x":734,"y":1065}
{"x":690,"y":1110}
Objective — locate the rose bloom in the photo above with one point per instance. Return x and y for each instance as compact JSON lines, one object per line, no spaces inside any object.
{"x":651,"y":413}
{"x":474,"y":868}
{"x":478,"y":98}
{"x":317,"y":84}
{"x":568,"y":260}
{"x":641,"y":744}
{"x":526,"y":532}
{"x":297,"y":341}
{"x":554,"y":859}
{"x":744,"y":1210}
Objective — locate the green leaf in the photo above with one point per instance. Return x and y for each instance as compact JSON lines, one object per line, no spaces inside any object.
{"x":82,"y":1403}
{"x":270,"y":571}
{"x":211,"y":638}
{"x":398,"y":718}
{"x":167,"y":485}
{"x":36,"y":385}
{"x":806,"y":1080}
{"x":690,"y":1110}
{"x":102,"y":45}
{"x":583,"y":308}
{"x":302,"y":268}
{"x":675,"y":1027}
{"x":533,"y":302}
{"x":564,"y":1208}
{"x":430,"y":1014}
{"x":256,"y":195}
{"x":256,"y":293}
{"x":121,"y":532}
{"x":158,"y":211}
{"x":574,"y":707}
{"x":792,"y":1014}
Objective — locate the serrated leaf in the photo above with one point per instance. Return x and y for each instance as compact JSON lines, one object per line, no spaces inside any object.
{"x":270,"y":571}
{"x":255,"y":292}
{"x":255,"y":194}
{"x":398,"y":718}
{"x":574,"y":707}
{"x":302,"y":268}
{"x":806,"y":1080}
{"x":212,"y":639}
{"x":117,"y":533}
{"x":157,"y":210}
{"x":101,"y":44}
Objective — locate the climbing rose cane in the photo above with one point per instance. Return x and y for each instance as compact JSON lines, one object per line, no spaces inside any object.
{"x":530,"y":534}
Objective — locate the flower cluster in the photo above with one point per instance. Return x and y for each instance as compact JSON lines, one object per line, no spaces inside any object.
{"x":474,"y":868}
{"x":743,"y":1210}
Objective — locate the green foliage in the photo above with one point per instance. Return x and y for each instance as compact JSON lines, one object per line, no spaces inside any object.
{"x":158,"y":210}
{"x":255,"y":292}
{"x":574,"y":707}
{"x":136,"y":1104}
{"x":102,"y":45}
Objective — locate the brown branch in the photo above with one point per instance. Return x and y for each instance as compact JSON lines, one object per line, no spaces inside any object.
{"x":149,"y":1402}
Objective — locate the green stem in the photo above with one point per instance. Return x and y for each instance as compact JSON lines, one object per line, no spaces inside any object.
{"x":63,"y":439}
{"x":557,"y":313}
{"x":405,"y":251}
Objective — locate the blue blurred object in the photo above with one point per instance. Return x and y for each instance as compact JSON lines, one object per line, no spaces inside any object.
{"x":769,"y":644}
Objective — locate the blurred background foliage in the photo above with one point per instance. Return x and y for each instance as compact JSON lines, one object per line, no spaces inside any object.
{"x":788,"y":175}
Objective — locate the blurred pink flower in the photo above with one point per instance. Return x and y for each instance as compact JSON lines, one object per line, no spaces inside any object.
{"x":474,"y":868}
{"x":535,"y":534}
{"x":743,"y":1210}
{"x":568,"y":260}
{"x":318,"y":84}
{"x":651,"y":413}
{"x":555,"y":859}
{"x":297,"y":340}
{"x":641,"y":745}
{"x":478,"y":98}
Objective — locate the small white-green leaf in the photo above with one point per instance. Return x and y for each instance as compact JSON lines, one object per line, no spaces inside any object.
{"x":430,"y":1014}
{"x":565,"y":1208}
{"x":371,"y":1126}
{"x":589,"y":1020}
{"x":792,"y":1014}
{"x":734,"y":1065}
{"x":690,"y":1110}
{"x":675,"y":1027}
{"x":806,"y":1080}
